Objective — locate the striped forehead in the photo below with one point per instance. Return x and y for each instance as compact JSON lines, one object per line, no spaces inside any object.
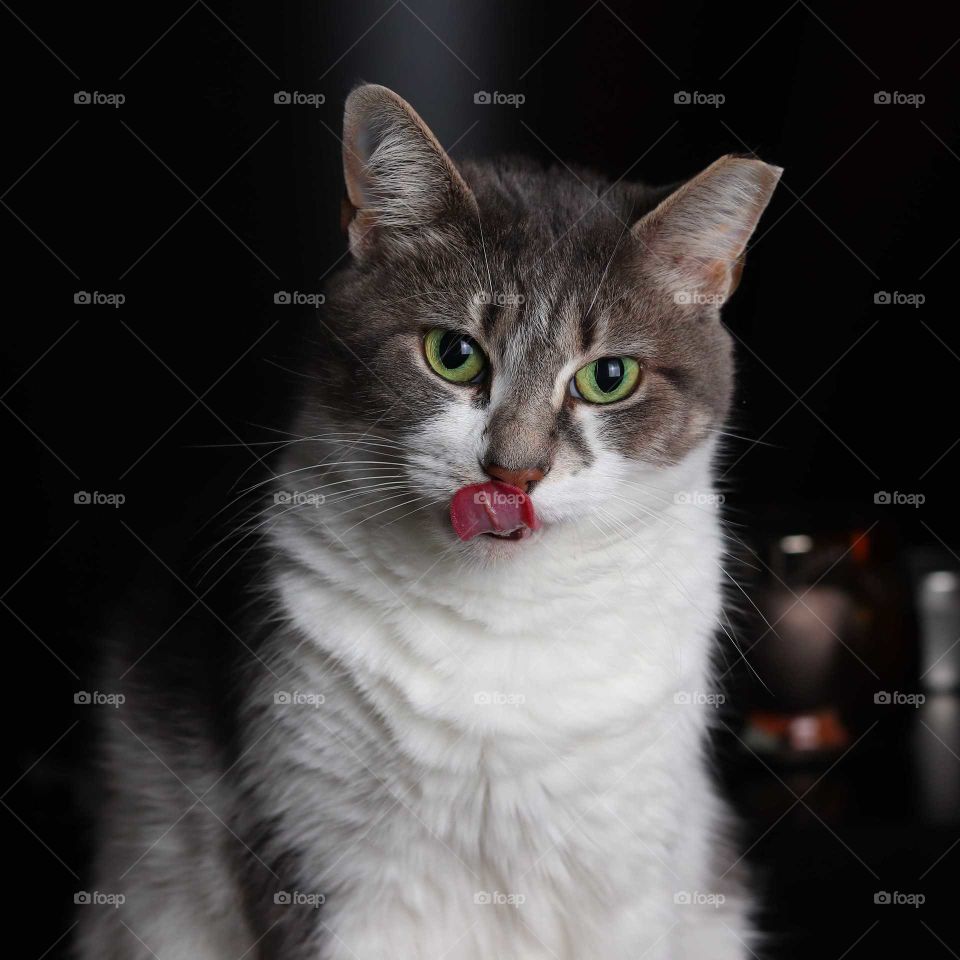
{"x":533,"y":340}
{"x":540,"y":307}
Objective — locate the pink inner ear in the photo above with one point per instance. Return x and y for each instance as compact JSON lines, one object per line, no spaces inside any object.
{"x":347,"y":212}
{"x":716,"y":276}
{"x":701,"y":230}
{"x":397,"y":175}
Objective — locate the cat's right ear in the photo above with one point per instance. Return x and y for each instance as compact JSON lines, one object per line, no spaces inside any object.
{"x":399,"y":179}
{"x":694,"y":241}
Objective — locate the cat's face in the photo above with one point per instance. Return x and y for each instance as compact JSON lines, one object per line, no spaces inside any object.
{"x":509,"y":323}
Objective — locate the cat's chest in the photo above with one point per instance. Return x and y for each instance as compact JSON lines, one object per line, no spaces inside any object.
{"x":572,"y":696}
{"x":557,"y":660}
{"x":522,"y":722}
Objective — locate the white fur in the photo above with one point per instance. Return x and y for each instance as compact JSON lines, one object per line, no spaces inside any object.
{"x":489,"y":720}
{"x":487,"y":750}
{"x":509,"y":727}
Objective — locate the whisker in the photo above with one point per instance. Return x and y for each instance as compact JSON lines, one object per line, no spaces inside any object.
{"x":249,"y":491}
{"x":737,"y":436}
{"x":362,"y":506}
{"x":269,"y":513}
{"x":343,"y":466}
{"x":411,"y":512}
{"x":373,"y":516}
{"x":694,"y":605}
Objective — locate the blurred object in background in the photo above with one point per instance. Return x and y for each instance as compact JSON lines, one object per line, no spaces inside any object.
{"x":936,"y":746}
{"x":936,"y":735}
{"x":938,"y":609}
{"x":838,"y":634}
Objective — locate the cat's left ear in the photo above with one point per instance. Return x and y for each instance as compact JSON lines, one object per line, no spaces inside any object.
{"x":399,"y":179}
{"x":693,"y":242}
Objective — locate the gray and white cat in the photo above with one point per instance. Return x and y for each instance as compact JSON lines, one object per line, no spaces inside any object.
{"x":475,"y":720}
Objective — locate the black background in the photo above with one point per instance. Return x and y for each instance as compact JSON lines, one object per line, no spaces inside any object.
{"x":199,"y":198}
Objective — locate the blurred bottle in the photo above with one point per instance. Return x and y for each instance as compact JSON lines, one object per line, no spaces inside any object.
{"x":837,"y":631}
{"x":936,"y":734}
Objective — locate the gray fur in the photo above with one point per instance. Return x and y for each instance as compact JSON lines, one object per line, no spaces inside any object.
{"x":538,"y":266}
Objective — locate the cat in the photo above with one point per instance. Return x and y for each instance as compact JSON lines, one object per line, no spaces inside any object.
{"x":473,"y":721}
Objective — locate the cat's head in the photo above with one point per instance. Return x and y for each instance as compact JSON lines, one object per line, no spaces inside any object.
{"x":546,"y":328}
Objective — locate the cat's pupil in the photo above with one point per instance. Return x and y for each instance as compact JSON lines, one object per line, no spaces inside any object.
{"x":454,"y":350}
{"x":609,"y":373}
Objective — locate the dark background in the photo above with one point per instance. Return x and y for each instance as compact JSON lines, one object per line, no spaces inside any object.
{"x":199,"y":198}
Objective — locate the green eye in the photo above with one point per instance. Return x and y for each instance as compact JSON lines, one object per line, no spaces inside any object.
{"x":455,"y":356}
{"x":606,"y":380}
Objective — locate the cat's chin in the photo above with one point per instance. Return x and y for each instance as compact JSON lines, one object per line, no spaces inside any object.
{"x":494,"y":547}
{"x":520,"y":534}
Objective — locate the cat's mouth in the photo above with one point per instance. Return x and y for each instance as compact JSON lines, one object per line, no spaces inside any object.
{"x":493,"y":509}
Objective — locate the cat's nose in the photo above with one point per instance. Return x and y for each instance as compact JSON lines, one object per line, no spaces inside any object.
{"x":522,"y":479}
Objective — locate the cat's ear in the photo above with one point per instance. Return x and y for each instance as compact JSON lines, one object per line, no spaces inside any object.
{"x":399,"y":179}
{"x":693,"y":241}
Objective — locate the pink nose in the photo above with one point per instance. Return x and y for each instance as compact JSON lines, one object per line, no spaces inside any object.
{"x":522,"y":479}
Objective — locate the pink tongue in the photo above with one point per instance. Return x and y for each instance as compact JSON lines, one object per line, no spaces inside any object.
{"x":492,"y":507}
